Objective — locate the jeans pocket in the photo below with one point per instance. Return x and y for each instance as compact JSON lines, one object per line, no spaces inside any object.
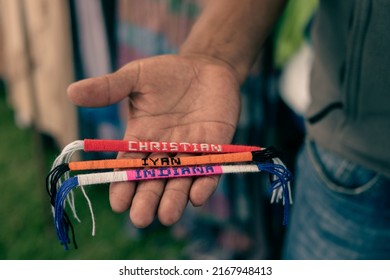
{"x":341,"y":175}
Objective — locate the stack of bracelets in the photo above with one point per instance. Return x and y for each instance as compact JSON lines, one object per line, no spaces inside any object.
{"x":213,"y":159}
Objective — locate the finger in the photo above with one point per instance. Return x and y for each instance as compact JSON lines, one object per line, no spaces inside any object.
{"x":122,"y":193}
{"x":174,"y":200}
{"x":107,"y":89}
{"x":147,"y":199}
{"x":202,"y":188}
{"x":145,"y":203}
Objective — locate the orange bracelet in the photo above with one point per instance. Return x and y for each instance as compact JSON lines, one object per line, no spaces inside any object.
{"x":161,"y":161}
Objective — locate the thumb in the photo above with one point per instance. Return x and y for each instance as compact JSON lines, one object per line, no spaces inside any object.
{"x":105,"y":90}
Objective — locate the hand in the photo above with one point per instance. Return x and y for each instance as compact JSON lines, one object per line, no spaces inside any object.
{"x":171,"y":98}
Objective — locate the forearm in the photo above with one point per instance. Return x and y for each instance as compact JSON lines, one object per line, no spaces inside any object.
{"x":233,"y":31}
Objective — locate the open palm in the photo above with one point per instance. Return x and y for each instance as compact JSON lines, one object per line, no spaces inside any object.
{"x":171,"y":98}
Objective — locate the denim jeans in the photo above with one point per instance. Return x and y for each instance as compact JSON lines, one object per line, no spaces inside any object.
{"x":341,"y":210}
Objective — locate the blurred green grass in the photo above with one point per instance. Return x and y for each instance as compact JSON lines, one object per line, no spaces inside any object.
{"x":26,"y":226}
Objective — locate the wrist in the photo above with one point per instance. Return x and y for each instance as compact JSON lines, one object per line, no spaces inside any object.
{"x":215,"y":59}
{"x":233,"y":32}
{"x":238,"y":68}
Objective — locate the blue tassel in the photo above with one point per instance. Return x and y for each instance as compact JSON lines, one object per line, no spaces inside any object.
{"x":61,"y":220}
{"x":282,"y":179}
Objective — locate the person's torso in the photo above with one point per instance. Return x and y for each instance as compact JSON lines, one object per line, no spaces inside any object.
{"x":350,"y":87}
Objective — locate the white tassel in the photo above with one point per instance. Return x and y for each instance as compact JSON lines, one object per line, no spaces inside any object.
{"x":65,"y":157}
